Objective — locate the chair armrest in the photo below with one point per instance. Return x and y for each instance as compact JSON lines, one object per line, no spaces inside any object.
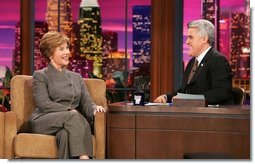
{"x":10,"y":131}
{"x":100,"y":134}
{"x":1,"y":135}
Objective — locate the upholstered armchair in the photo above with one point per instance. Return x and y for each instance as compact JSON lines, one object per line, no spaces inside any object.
{"x":20,"y":144}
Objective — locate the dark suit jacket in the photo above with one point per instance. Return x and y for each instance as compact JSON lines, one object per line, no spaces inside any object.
{"x":212,"y":78}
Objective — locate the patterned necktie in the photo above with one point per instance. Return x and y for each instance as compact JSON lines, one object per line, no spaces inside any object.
{"x":193,"y":70}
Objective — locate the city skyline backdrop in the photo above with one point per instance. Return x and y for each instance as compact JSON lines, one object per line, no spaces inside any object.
{"x":111,"y":21}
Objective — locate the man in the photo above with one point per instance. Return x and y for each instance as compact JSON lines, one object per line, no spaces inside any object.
{"x":212,"y":76}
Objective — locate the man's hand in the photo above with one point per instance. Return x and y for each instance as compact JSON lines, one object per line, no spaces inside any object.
{"x":161,"y":99}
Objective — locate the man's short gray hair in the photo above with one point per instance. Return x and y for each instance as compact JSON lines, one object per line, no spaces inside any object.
{"x":205,"y":28}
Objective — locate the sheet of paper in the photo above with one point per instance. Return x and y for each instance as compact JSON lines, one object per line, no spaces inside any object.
{"x":158,"y":104}
{"x":189,"y":96}
{"x":153,"y":104}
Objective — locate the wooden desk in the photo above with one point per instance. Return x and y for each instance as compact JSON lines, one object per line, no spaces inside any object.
{"x":166,"y":132}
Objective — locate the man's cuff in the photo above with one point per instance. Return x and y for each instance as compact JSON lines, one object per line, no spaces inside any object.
{"x":165,"y":97}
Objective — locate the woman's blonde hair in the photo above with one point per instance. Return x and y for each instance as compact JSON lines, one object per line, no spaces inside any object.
{"x":50,"y":41}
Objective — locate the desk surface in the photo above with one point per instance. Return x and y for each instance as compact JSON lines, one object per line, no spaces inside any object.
{"x":230,"y":110}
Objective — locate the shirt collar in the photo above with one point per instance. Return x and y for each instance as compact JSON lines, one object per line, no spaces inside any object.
{"x":202,"y":55}
{"x":55,"y":69}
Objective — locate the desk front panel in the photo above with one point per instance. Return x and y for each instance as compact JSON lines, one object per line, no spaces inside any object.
{"x":171,"y":136}
{"x":198,"y":122}
{"x":173,"y":144}
{"x":121,"y":136}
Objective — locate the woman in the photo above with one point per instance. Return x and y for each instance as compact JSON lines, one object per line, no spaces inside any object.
{"x":63,"y":105}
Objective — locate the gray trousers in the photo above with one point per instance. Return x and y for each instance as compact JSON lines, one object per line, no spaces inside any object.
{"x":72,"y":131}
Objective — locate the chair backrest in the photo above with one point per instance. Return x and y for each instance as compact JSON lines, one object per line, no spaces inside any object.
{"x":239,"y":95}
{"x":22,"y":101}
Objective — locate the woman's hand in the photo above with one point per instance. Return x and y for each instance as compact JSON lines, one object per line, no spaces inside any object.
{"x":72,"y":110}
{"x":99,"y":109}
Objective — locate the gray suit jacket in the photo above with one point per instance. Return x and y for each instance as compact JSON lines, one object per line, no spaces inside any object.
{"x":56,"y":91}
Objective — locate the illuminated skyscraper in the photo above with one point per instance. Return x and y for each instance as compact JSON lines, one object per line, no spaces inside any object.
{"x":211,"y":12}
{"x":116,"y":62}
{"x":141,"y":35}
{"x":110,"y":41}
{"x":80,"y":65}
{"x":91,"y":35}
{"x":16,"y":55}
{"x":110,"y":44}
{"x":39,"y":60}
{"x":76,"y":31}
{"x":240,"y":49}
{"x":62,"y":22}
{"x":225,"y":35}
{"x":141,"y":47}
{"x":210,"y":9}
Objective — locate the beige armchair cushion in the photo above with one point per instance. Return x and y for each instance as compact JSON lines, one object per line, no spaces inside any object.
{"x":19,"y":144}
{"x":24,"y":146}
